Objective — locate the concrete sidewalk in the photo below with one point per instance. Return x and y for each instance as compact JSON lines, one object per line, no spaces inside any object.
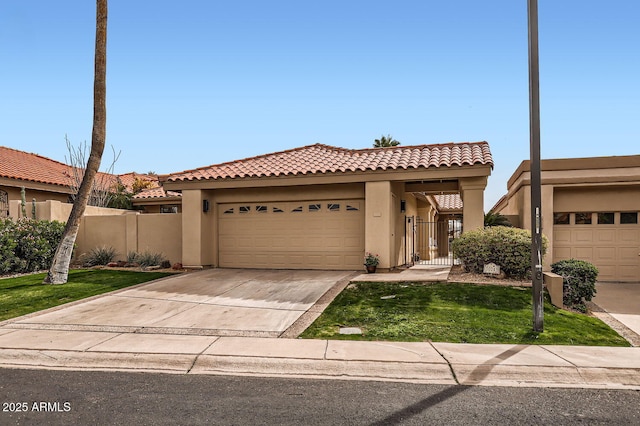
{"x":441,"y":363}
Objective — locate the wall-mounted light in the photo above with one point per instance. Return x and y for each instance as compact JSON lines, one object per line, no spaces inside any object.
{"x":403,"y":206}
{"x":205,"y":206}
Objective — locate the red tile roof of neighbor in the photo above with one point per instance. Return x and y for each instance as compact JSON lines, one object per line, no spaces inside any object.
{"x":32,"y":167}
{"x":321,"y":158}
{"x":15,"y":164}
{"x":158,"y":192}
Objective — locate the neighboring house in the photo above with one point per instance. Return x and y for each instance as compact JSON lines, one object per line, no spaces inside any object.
{"x":157,"y":200}
{"x":322,"y":207}
{"x":590,"y":211}
{"x":45,"y":179}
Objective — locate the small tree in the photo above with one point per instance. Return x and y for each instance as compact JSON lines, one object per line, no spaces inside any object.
{"x":385,"y":141}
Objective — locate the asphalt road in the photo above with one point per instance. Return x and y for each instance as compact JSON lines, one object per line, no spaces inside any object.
{"x":31,"y":397}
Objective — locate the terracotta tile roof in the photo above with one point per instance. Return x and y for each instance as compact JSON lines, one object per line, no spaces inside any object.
{"x":15,"y":164}
{"x":158,"y":192}
{"x":448,"y":201}
{"x":319,"y":158}
{"x":22,"y":165}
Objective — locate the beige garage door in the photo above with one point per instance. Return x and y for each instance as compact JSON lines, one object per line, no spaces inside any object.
{"x":326,"y":234}
{"x":613,"y":248}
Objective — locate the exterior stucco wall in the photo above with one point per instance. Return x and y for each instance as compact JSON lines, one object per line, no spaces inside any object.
{"x":197,"y":229}
{"x":472,"y":194}
{"x":380,"y":222}
{"x":597,"y":199}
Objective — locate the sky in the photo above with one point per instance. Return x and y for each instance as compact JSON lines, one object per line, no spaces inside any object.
{"x":194,"y":83}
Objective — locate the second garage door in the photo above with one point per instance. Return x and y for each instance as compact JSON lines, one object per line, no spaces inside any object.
{"x":317,"y":234}
{"x":610,"y":241}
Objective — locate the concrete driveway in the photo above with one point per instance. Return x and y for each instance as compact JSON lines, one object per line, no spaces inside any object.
{"x":621,"y":301}
{"x":222,"y":302}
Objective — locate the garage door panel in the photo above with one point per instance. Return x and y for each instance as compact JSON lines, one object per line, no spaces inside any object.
{"x":562,"y":235}
{"x":606,"y":273}
{"x":629,"y":254}
{"x":583,"y":235}
{"x":614,"y":249}
{"x":629,"y":235}
{"x":333,"y":242}
{"x":320,"y":235}
{"x":605,"y":254}
{"x":629,"y":273}
{"x":605,"y":236}
{"x":583,"y":253}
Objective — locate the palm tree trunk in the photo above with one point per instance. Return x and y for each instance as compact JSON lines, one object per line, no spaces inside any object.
{"x":59,"y":271}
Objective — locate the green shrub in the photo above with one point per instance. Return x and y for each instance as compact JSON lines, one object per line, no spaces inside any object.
{"x":100,"y":256}
{"x":146,"y":258}
{"x":579,"y":281}
{"x":28,"y":245}
{"x":510,"y":248}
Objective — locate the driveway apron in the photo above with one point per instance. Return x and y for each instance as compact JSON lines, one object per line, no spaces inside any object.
{"x":621,"y":301}
{"x":222,"y":302}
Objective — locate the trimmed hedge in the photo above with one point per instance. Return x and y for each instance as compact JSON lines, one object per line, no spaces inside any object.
{"x":28,"y":245}
{"x":579,"y":281}
{"x":510,"y":248}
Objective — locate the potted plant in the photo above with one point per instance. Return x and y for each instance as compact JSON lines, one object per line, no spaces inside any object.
{"x":371,"y":262}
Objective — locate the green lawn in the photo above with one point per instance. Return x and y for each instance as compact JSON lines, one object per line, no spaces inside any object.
{"x":23,"y":295}
{"x":457,"y":313}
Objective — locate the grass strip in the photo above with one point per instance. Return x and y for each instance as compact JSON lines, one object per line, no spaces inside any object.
{"x":457,"y":313}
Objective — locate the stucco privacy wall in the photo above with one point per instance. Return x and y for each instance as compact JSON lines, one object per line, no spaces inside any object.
{"x":56,"y":210}
{"x":124,"y":230}
{"x":157,"y":233}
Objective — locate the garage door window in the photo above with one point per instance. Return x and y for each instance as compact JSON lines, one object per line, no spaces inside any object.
{"x":561,"y":218}
{"x":314,"y":207}
{"x":605,"y":218}
{"x":629,"y":218}
{"x":583,"y":218}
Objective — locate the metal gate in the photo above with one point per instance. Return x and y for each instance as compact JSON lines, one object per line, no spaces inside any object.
{"x":429,"y":243}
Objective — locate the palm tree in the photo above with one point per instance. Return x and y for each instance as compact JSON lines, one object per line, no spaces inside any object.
{"x":59,"y":271}
{"x":496,"y":219}
{"x":385,"y":141}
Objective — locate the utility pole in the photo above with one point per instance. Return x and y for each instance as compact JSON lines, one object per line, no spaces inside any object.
{"x":534,"y":161}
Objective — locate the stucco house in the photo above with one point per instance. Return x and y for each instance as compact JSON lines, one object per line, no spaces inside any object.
{"x":590,"y":211}
{"x":323,"y":207}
